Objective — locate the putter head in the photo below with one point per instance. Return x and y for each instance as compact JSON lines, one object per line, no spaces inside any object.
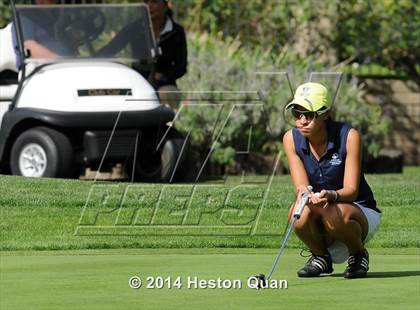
{"x":262,"y":281}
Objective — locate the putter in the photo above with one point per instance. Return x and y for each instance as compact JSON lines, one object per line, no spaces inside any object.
{"x":262,"y":280}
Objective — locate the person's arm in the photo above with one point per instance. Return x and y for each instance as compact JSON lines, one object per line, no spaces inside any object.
{"x":39,"y":51}
{"x":180,"y":59}
{"x":36,"y":49}
{"x":352,"y":168}
{"x":297,"y":170}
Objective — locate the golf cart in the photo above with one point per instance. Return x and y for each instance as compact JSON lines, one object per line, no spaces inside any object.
{"x":91,"y":107}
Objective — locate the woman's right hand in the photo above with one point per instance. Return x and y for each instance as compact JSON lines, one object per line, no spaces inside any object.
{"x":318,"y":200}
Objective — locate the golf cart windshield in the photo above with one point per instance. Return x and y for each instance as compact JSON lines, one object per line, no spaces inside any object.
{"x":101,"y":31}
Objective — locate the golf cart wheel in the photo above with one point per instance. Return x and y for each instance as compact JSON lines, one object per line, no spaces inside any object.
{"x":166,"y":164}
{"x":41,"y":152}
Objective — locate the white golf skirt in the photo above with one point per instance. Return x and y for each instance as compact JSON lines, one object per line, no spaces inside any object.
{"x":338,"y":250}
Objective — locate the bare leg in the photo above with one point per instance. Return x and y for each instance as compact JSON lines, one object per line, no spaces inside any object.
{"x":347,"y":223}
{"x":309,"y":229}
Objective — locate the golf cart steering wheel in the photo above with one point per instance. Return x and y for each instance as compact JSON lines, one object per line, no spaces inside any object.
{"x":81,"y":27}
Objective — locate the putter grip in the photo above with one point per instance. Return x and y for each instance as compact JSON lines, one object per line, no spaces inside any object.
{"x":302,"y":203}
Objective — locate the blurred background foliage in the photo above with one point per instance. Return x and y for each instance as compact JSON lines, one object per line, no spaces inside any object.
{"x":377,"y":32}
{"x":230,"y":41}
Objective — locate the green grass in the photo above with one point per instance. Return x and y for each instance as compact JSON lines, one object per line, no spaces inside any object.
{"x":90,"y":269}
{"x":43,"y":214}
{"x":98,"y":279}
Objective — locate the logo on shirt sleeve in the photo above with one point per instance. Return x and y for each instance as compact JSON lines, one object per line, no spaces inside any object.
{"x":335,"y":160}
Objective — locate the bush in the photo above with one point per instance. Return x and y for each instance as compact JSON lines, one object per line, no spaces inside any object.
{"x":367,"y":118}
{"x":221,"y":65}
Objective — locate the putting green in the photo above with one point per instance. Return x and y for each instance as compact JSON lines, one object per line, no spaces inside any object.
{"x":98,"y":279}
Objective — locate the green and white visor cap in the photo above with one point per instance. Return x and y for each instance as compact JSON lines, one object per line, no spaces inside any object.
{"x":310,"y":96}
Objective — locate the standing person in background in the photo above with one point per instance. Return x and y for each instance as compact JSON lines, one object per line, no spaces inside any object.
{"x":341,"y":216}
{"x":172,"y":63}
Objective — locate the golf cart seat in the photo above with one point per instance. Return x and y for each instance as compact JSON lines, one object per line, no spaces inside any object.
{"x":8,"y":66}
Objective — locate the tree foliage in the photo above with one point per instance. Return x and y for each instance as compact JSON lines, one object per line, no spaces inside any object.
{"x":383,"y":32}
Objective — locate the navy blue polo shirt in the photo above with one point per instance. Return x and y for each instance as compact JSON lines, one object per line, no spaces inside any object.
{"x":328,"y":172}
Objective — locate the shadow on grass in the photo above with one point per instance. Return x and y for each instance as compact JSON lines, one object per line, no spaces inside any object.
{"x":387,"y":274}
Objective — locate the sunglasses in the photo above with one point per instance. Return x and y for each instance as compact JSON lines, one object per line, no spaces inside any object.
{"x":309,"y":115}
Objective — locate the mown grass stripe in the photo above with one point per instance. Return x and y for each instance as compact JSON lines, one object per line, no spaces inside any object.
{"x":43,"y":214}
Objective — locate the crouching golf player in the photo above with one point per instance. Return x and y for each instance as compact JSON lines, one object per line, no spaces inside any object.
{"x":341,"y":215}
